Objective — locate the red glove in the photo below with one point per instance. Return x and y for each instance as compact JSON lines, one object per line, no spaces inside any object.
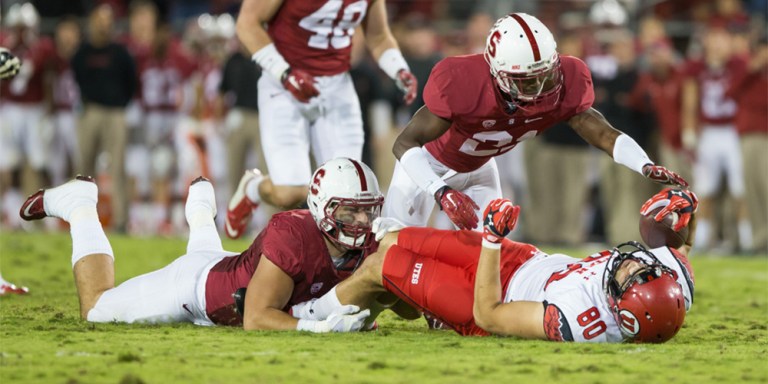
{"x":500,"y":218}
{"x":683,"y":202}
{"x":407,"y":83}
{"x":301,"y":84}
{"x":662,"y":175}
{"x":459,"y":207}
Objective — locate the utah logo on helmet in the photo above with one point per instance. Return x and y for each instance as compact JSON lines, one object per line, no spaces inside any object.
{"x":523,"y":59}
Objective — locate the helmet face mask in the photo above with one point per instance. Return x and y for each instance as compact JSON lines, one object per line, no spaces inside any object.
{"x":344,"y":199}
{"x":522,"y":55}
{"x":648,"y":303}
{"x":343,"y":215}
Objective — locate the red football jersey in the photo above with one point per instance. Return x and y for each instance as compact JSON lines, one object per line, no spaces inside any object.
{"x":316,"y":36}
{"x":291,"y":241}
{"x":36,"y":55}
{"x":715,"y":107}
{"x":462,"y":90}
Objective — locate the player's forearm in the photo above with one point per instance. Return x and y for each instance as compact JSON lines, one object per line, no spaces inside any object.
{"x":487,"y":289}
{"x":268,"y":319}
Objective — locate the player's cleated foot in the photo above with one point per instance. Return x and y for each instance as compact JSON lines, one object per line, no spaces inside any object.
{"x":434,"y":323}
{"x":201,"y":198}
{"x":240,"y":208}
{"x":60,"y":201}
{"x":11,"y":289}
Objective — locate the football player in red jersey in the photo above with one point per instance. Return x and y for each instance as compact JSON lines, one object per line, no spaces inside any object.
{"x":521,"y":87}
{"x":306,"y":96}
{"x":9,"y":67}
{"x":300,"y":255}
{"x":482,"y":283}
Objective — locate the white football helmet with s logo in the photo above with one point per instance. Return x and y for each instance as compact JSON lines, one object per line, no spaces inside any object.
{"x":344,"y":199}
{"x":522,"y":54}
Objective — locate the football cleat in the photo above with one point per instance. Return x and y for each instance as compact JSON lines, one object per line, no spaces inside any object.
{"x":240,"y":208}
{"x":11,"y":289}
{"x":59,"y":201}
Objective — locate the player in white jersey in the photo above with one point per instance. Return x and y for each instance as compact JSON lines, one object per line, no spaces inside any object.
{"x":625,"y":294}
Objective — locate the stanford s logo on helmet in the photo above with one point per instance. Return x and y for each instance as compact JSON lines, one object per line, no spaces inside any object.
{"x":523,"y":59}
{"x":649,"y":305}
{"x":344,"y":199}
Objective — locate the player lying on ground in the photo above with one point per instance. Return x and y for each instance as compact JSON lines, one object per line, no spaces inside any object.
{"x":300,"y":255}
{"x":481,"y":283}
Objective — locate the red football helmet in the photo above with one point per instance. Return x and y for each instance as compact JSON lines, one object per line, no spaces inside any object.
{"x":648,"y":305}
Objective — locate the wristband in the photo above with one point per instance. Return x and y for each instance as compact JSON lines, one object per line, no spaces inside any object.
{"x":491,"y":245}
{"x":627,"y":152}
{"x":271,"y":61}
{"x":392,"y":61}
{"x":416,"y":165}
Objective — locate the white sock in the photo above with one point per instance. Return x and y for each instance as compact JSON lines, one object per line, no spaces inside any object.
{"x":703,"y":228}
{"x":252,"y":190}
{"x":88,"y":236}
{"x":745,"y":235}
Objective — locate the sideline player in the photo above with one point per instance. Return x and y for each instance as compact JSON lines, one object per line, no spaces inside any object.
{"x":300,"y":255}
{"x":480,"y":284}
{"x":446,"y":151}
{"x":9,"y":67}
{"x":306,"y":96}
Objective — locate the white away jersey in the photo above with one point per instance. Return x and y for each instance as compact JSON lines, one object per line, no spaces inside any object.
{"x":576,"y":306}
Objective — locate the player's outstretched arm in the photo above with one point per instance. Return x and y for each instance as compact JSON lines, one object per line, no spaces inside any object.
{"x":268,"y":292}
{"x":592,"y":126}
{"x":519,"y":318}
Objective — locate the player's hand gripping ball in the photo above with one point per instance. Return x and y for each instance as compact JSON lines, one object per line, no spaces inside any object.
{"x":665,"y":217}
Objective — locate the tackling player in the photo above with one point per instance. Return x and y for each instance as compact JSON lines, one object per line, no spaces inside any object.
{"x":306,"y":96}
{"x":521,"y":88}
{"x":480,"y":284}
{"x":301,"y":255}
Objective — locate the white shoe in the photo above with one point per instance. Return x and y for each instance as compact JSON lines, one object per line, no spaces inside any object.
{"x":200,"y":197}
{"x":62,"y":200}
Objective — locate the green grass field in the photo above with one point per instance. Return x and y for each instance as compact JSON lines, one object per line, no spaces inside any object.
{"x":42,"y":339}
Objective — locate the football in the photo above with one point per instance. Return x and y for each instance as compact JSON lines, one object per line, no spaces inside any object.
{"x":658,"y":234}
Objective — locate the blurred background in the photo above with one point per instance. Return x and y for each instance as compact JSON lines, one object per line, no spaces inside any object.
{"x":188,"y":103}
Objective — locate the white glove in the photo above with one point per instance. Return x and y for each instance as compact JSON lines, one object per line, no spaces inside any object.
{"x":348,"y":318}
{"x":304,"y":310}
{"x":383,"y":225}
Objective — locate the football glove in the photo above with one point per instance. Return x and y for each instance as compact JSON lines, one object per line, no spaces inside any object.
{"x":9,"y":64}
{"x":347,"y":318}
{"x":383,"y":225}
{"x":662,"y":175}
{"x":407,"y":83}
{"x":300,"y":83}
{"x":683,"y":202}
{"x":499,"y":219}
{"x":459,"y":207}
